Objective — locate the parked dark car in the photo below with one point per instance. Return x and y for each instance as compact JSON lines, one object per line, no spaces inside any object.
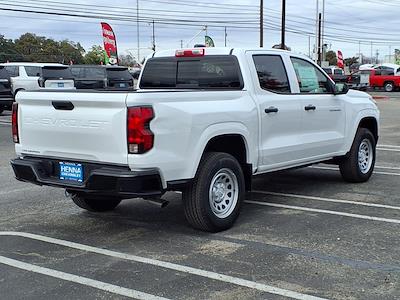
{"x":101,"y":77}
{"x":6,"y":95}
{"x":56,"y":77}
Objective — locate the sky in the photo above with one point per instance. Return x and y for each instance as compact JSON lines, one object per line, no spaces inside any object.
{"x":349,"y":25}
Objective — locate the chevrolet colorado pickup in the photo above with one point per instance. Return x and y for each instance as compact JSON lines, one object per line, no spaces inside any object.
{"x":203,"y":122}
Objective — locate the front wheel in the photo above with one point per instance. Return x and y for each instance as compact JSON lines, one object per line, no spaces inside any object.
{"x":95,"y":203}
{"x":212,"y":202}
{"x":359,"y":164}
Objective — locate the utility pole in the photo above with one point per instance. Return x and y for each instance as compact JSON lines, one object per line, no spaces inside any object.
{"x":261,"y":23}
{"x":138,"y":31}
{"x":154,"y":39}
{"x":390,"y":54}
{"x":323,"y":29}
{"x":226,"y":34}
{"x":319,"y":53}
{"x":283,"y":43}
{"x":372,"y":45}
{"x":359,"y":52}
{"x":309,"y":46}
{"x":181,"y":44}
{"x":317,"y":32}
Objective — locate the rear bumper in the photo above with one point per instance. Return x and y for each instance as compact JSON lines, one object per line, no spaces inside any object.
{"x":98,"y":179}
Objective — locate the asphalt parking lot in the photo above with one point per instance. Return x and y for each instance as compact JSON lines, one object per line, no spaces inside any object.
{"x":303,"y":234}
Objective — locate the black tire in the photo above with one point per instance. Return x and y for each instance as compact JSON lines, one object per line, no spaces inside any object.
{"x":198,"y":209}
{"x":95,"y":203}
{"x":350,"y":167}
{"x":1,"y":109}
{"x":389,"y":87}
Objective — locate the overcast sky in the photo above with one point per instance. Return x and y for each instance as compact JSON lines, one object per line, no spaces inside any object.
{"x":347,"y":23}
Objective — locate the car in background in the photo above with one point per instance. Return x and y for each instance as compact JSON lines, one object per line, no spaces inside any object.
{"x":6,"y":95}
{"x":359,"y":80}
{"x":336,"y":74}
{"x":384,"y":79}
{"x":30,"y":76}
{"x":101,"y":77}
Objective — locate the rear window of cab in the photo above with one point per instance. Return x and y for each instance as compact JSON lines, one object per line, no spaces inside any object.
{"x":206,"y":72}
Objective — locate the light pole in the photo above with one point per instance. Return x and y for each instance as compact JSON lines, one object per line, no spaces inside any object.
{"x":261,"y":23}
{"x":283,"y":25}
{"x":138,"y":30}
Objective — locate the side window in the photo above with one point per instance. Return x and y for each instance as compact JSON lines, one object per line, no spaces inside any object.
{"x":33,"y":71}
{"x":311,"y":79}
{"x":272,"y":73}
{"x":13,"y":71}
{"x":76,"y":72}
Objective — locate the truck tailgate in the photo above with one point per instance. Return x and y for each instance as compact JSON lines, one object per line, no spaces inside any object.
{"x":73,"y":126}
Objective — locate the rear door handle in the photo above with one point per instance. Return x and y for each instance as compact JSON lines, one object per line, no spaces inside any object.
{"x":310,"y":107}
{"x":63,"y":105}
{"x":271,"y":109}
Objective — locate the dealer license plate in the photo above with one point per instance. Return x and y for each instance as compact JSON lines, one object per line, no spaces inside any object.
{"x":71,"y":171}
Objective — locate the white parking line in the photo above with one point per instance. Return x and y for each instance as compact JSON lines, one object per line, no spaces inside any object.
{"x":328,"y":200}
{"x":180,"y":268}
{"x":336,"y":169}
{"x":388,"y":149}
{"x":387,"y":168}
{"x":324,"y":211}
{"x":115,"y":289}
{"x":388,"y":146}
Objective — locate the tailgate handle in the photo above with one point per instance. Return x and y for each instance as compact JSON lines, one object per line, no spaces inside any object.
{"x":63,"y":105}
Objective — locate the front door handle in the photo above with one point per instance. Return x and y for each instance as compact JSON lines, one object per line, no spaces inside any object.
{"x":310,"y":107}
{"x":271,"y":109}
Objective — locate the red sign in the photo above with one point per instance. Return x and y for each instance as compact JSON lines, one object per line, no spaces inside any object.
{"x":110,"y":43}
{"x":340,"y":61}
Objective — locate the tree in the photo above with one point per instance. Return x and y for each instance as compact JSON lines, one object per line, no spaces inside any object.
{"x":8,"y":51}
{"x":95,"y":56}
{"x":351,"y":61}
{"x":127,"y":60}
{"x":331,"y":57}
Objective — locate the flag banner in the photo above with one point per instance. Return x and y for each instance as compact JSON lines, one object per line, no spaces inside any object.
{"x":110,"y":43}
{"x":209,"y":42}
{"x":340,"y":61}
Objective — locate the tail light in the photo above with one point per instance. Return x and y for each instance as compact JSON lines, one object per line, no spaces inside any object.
{"x":140,"y":138}
{"x":14,"y":119}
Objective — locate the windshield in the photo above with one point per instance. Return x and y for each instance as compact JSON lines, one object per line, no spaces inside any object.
{"x":208,"y":72}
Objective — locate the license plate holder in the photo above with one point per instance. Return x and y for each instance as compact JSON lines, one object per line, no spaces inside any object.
{"x":71,"y":171}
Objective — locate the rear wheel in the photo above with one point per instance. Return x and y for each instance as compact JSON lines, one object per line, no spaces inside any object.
{"x":360,"y":162}
{"x":212,"y":202}
{"x":95,"y":203}
{"x":389,"y":87}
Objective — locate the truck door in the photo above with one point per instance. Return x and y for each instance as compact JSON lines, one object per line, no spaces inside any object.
{"x":323,"y":118}
{"x":279,"y":112}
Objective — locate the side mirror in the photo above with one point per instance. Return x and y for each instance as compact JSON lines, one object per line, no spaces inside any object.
{"x":341,"y":89}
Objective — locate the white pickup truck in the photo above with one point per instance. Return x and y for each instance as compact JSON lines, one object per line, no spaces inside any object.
{"x":203,"y":121}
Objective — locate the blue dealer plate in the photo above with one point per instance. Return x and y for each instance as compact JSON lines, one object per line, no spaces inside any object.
{"x":60,"y":84}
{"x":71,"y":171}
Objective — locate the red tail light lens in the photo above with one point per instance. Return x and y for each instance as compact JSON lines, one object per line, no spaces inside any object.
{"x":140,"y":137}
{"x":14,"y":119}
{"x":190,"y":53}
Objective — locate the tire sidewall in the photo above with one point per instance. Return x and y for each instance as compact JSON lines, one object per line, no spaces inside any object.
{"x":364,"y":134}
{"x":206,"y":175}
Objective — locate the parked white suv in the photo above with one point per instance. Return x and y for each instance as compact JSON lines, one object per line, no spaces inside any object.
{"x":29,"y":76}
{"x":204,"y":121}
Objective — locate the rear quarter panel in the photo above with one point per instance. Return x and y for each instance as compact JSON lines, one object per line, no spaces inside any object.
{"x":184,"y":123}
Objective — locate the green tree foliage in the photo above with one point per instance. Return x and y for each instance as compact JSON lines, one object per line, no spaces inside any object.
{"x":95,"y":56}
{"x":33,"y":48}
{"x":351,"y":61}
{"x":331,"y":57}
{"x":8,"y":51}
